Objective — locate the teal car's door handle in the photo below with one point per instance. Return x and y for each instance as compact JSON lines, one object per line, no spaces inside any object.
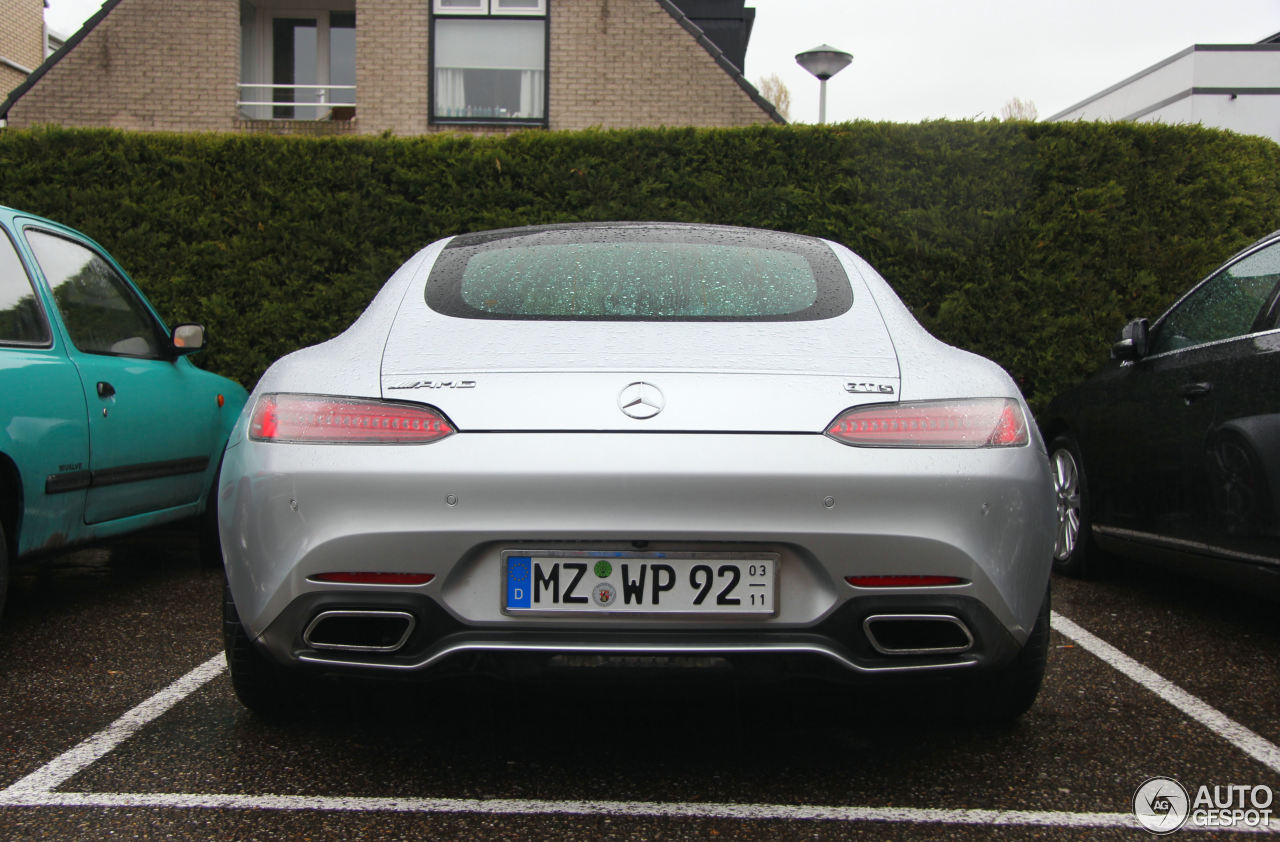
{"x":105,"y":389}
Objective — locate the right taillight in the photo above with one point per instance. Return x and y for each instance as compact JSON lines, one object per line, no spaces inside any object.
{"x":974,"y":422}
{"x":331,"y":420}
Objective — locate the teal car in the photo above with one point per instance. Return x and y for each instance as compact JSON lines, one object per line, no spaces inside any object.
{"x":106,"y":426}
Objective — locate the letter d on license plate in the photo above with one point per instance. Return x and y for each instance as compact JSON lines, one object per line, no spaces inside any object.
{"x":553,"y":581}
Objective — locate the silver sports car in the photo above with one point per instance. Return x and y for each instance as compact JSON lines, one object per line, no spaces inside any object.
{"x":638,"y":445}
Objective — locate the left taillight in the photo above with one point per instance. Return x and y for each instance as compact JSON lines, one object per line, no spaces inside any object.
{"x":329,"y":420}
{"x":977,"y":422}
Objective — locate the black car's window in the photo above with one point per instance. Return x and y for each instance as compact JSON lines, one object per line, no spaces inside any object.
{"x":1226,"y":305}
{"x":22,"y":320}
{"x":639,"y":273}
{"x":102,"y":313}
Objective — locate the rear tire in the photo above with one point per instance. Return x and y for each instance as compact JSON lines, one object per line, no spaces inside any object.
{"x":1000,"y":697}
{"x":1237,"y":485}
{"x":1074,"y":551}
{"x":4,"y":567}
{"x":208,"y":535}
{"x":262,"y":685}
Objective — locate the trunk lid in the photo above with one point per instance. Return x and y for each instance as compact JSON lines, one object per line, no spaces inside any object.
{"x":524,"y":375}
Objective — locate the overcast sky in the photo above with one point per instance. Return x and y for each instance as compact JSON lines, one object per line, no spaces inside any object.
{"x":922,"y":59}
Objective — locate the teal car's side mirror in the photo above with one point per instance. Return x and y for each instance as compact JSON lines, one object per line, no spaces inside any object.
{"x":187,"y":338}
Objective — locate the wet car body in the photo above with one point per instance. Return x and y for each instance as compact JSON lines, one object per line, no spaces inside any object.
{"x":1172,"y":451}
{"x":106,"y":426}
{"x":622,"y":471}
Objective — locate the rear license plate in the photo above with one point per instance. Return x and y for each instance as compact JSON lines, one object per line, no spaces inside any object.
{"x":559,"y":582}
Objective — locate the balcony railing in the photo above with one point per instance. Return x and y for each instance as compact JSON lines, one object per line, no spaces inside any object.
{"x":264,"y":101}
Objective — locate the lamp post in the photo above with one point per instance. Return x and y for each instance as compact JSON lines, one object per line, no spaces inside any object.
{"x":824,"y":62}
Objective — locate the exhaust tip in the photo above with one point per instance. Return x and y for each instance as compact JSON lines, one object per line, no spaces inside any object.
{"x":359,"y":631}
{"x":917,"y":634}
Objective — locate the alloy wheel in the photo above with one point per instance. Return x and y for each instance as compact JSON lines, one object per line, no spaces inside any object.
{"x":1066,"y":485}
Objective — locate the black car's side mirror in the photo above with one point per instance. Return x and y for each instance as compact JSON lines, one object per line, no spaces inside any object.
{"x":1133,"y":341}
{"x":187,"y":338}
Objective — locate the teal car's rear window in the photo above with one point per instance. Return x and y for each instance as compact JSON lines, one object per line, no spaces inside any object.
{"x":651,"y":273}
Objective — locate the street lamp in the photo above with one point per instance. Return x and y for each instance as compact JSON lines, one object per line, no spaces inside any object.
{"x":824,"y":62}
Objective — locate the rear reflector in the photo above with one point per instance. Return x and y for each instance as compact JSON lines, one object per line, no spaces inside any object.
{"x":374,"y":578}
{"x":312,"y":418}
{"x":980,"y":422}
{"x":903,"y":581}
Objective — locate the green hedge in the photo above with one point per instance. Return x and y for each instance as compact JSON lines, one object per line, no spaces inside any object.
{"x":1028,"y":243}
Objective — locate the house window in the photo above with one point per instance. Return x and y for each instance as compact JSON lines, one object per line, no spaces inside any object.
{"x":490,"y":7}
{"x":490,"y":61}
{"x":297,"y":63}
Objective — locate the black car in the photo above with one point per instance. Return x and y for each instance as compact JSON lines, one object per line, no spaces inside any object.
{"x":1172,"y":451}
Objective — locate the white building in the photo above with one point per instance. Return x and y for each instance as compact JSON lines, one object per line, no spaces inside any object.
{"x":1226,"y":86}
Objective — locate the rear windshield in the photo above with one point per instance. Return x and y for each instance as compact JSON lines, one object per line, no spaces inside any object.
{"x":645,"y":273}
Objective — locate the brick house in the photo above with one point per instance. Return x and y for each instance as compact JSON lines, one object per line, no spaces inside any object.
{"x":21,"y":40}
{"x":400,"y":66}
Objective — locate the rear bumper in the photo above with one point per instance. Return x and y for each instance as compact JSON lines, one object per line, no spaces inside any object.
{"x":838,"y":647}
{"x":289,"y":512}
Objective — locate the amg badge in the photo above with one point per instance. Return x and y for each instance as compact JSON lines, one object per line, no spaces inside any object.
{"x":435,"y":384}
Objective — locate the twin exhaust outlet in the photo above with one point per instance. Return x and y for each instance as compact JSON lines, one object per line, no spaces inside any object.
{"x":386,"y":632}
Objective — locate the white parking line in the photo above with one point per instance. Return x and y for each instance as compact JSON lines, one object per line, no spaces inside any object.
{"x":1259,"y":748}
{"x":38,"y":788}
{"x":622,"y":809}
{"x":90,"y":751}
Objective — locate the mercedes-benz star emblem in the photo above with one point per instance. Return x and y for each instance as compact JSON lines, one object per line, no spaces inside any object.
{"x":641,"y":400}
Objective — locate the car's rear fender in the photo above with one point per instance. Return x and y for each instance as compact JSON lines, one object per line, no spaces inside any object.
{"x":1260,"y":435}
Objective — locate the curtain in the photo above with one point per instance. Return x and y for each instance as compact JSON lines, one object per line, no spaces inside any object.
{"x":532,"y":87}
{"x":451,"y":92}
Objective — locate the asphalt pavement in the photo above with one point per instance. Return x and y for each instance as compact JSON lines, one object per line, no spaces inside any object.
{"x":117,"y":720}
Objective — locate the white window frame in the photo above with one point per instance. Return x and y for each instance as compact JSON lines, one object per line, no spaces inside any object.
{"x":496,"y":7}
{"x":488,"y":7}
{"x":477,"y":7}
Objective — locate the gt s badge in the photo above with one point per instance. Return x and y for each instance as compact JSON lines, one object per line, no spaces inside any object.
{"x":435,"y":384}
{"x":868,"y":388}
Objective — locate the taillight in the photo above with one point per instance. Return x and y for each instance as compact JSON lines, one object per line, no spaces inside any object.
{"x":312,"y":418}
{"x":977,"y":422}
